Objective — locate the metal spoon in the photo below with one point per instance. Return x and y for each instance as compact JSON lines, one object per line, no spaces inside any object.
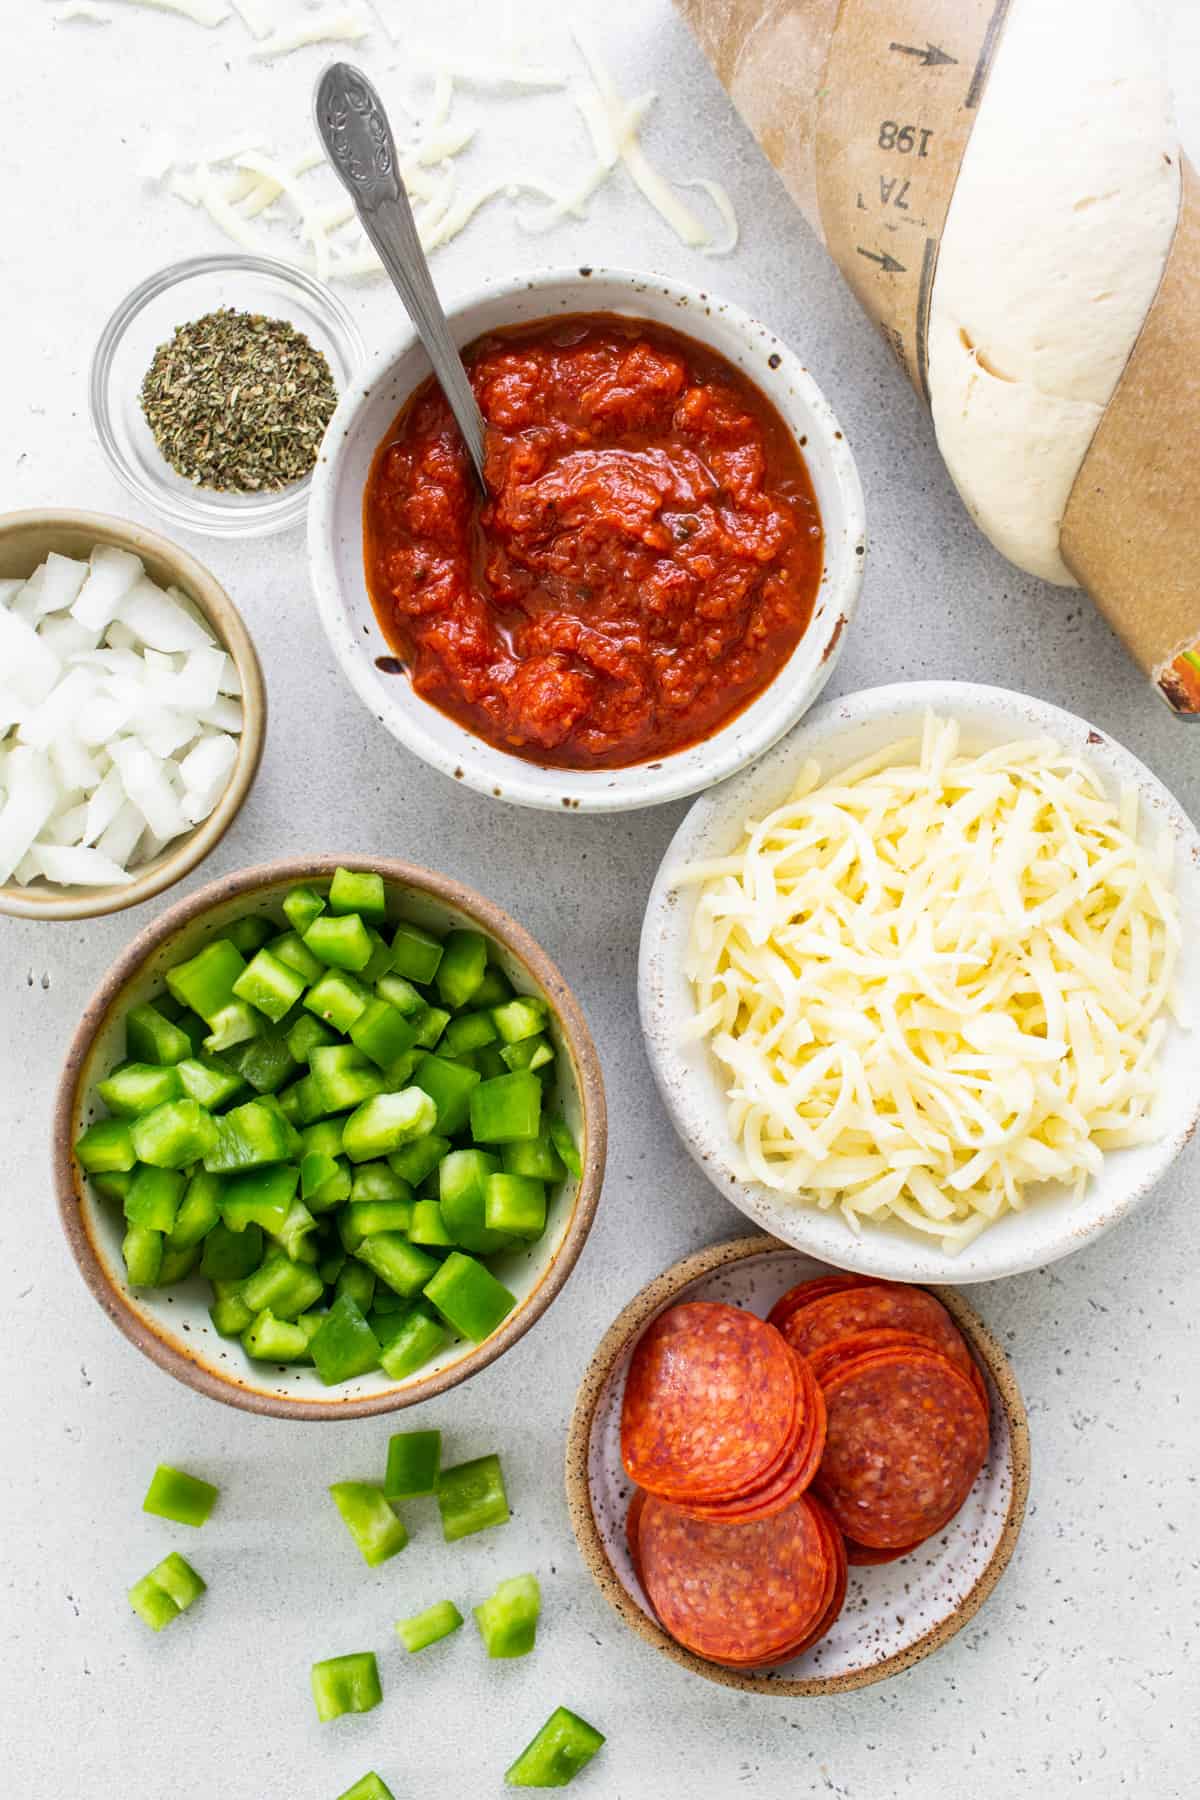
{"x":354,"y":129}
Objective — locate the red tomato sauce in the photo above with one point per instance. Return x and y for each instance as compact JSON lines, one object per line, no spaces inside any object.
{"x":645,"y":561}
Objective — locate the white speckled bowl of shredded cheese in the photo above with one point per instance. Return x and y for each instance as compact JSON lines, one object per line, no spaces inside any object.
{"x":921,"y":988}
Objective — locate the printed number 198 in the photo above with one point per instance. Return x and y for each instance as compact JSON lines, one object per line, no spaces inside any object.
{"x":904,"y":138}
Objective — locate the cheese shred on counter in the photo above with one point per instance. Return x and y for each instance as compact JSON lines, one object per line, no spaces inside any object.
{"x":935,"y":979}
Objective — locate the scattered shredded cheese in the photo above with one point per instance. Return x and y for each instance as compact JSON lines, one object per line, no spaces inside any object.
{"x":338,"y":26}
{"x":85,"y":10}
{"x":935,"y":979}
{"x":719,"y":196}
{"x":201,"y":12}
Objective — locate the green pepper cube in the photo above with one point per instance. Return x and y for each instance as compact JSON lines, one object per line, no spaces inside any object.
{"x":356,"y":891}
{"x":430,"y":1022}
{"x":490,"y":1061}
{"x":417,"y":1340}
{"x":235,"y":1024}
{"x":307,"y":1034}
{"x":338,"y":999}
{"x":415,"y":953}
{"x":378,"y":1181}
{"x":391,"y":1307}
{"x":413,"y":1461}
{"x":470,"y":1031}
{"x":209,"y":1080}
{"x":112,"y":1184}
{"x":462,"y":1188}
{"x":317,"y":1172}
{"x":535,"y":1157}
{"x":269,"y":985}
{"x":367,"y":1218}
{"x":386,"y":1121}
{"x":142,"y":1251}
{"x":369,"y":1519}
{"x":289,"y":948}
{"x":254,"y":1133}
{"x":515,"y":1205}
{"x":229,"y":1313}
{"x":174,"y":1494}
{"x":294,"y":1234}
{"x":260,"y":1197}
{"x":204,"y":984}
{"x":355,"y":1279}
{"x":450,"y":1086}
{"x":565,"y":1744}
{"x":429,"y":1627}
{"x":342,"y":1077}
{"x":523,"y":1017}
{"x":269,"y":1339}
{"x":231,"y":1255}
{"x":400,"y":994}
{"x":494,"y":990}
{"x":166,"y":1591}
{"x":461,"y":968}
{"x":301,"y":905}
{"x":531,"y":1053}
{"x":176,"y":1264}
{"x":106,"y":1147}
{"x":138,"y":1088}
{"x":506,"y":1109}
{"x":266,"y":1062}
{"x":346,"y":1684}
{"x":566,"y":1146}
{"x":469,"y":1297}
{"x":368,"y":1787}
{"x":151,"y":1038}
{"x":283,"y":1288}
{"x":341,"y":943}
{"x":382,"y":1033}
{"x":507,"y":1619}
{"x":345,"y":1346}
{"x":404,"y":1267}
{"x":199,"y":1211}
{"x":324,"y":1138}
{"x":471,"y":1498}
{"x":428,"y":1227}
{"x":250,"y":932}
{"x":413,"y":1162}
{"x":153,"y":1198}
{"x":175,"y":1134}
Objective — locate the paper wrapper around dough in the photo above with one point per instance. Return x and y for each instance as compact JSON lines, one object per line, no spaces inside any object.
{"x":1072,"y":431}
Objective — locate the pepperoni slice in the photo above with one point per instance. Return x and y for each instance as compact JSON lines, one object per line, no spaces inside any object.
{"x":740,"y":1594}
{"x":879,"y":1305}
{"x":805,"y":1292}
{"x":710,"y":1402}
{"x":834,"y":1592}
{"x":792,"y":1478}
{"x":862,"y":1556}
{"x":826,"y":1361}
{"x":906,"y":1437}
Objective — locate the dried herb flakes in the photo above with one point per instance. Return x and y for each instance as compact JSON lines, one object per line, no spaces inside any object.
{"x":239,"y":402}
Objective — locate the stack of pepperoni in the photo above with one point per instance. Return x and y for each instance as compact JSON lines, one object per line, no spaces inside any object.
{"x":848,"y":1426}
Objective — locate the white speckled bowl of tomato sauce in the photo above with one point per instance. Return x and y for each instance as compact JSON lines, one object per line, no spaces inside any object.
{"x":655,"y":587}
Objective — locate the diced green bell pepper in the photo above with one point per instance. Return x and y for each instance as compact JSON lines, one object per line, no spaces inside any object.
{"x":106,"y":1147}
{"x":112,"y":1184}
{"x":235,"y":1024}
{"x":430,"y":1022}
{"x":301,"y":905}
{"x":340,"y":943}
{"x":252,"y":1134}
{"x":470,"y":1031}
{"x":324,"y":1181}
{"x":355,"y":1279}
{"x":506,"y":1109}
{"x":391,"y":1306}
{"x":522,"y":1017}
{"x":368,"y":1218}
{"x":231,"y":1255}
{"x":142,"y":1250}
{"x":461,"y":969}
{"x":449,"y":1085}
{"x":199,"y":1211}
{"x":358,"y":891}
{"x":565,"y":1744}
{"x":379,"y":963}
{"x":283,"y":1288}
{"x":469,"y":1297}
{"x":260,"y":1197}
{"x":370,"y":1521}
{"x":386,"y":1121}
{"x":343,"y":1077}
{"x":345,"y":1346}
{"x":269,"y":1339}
{"x":413,"y":1461}
{"x":378,"y":1181}
{"x":338,"y":999}
{"x":419,"y":1338}
{"x":382,"y":1033}
{"x":566,"y":1146}
{"x":291,"y":950}
{"x":250,"y":932}
{"x":346,"y":1684}
{"x":210,"y":1080}
{"x":413,"y":1162}
{"x":266,"y":1062}
{"x":429,"y":1627}
{"x":535,"y":1157}
{"x":205,"y":982}
{"x":507,"y":1619}
{"x":428,"y":1227}
{"x":138,"y":1088}
{"x":404,"y":1267}
{"x":368,"y":1787}
{"x":176,"y":1265}
{"x":175,"y":1134}
{"x":462,"y":1187}
{"x":471,"y":1498}
{"x":494,"y":990}
{"x":229,"y":1313}
{"x":307,"y":1034}
{"x":400,"y":994}
{"x":269,"y":985}
{"x":323,"y":1138}
{"x":174,"y":1494}
{"x":515,"y":1205}
{"x":490,"y":1062}
{"x":153,"y":1198}
{"x":531,"y":1053}
{"x":169,"y":1589}
{"x":151,"y":1038}
{"x":296,"y":1237}
{"x":415,"y":953}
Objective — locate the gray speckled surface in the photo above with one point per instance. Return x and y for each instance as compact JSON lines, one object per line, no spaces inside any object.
{"x":1080,"y":1675}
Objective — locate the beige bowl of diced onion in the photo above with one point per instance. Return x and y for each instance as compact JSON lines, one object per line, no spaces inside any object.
{"x":719,"y":1091}
{"x":170,"y":627}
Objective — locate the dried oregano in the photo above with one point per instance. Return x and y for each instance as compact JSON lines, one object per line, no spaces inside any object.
{"x":239,"y":402}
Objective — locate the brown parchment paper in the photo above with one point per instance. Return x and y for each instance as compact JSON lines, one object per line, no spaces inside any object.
{"x":865,"y":107}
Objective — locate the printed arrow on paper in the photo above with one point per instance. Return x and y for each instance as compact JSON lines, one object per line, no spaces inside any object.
{"x":931,"y":57}
{"x":887,"y":263}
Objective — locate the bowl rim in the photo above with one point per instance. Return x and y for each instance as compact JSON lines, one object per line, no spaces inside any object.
{"x":483,"y":766}
{"x":881,"y":1254}
{"x":208,"y":595}
{"x":576,"y":1037}
{"x":629,"y":1323}
{"x":276,"y":512}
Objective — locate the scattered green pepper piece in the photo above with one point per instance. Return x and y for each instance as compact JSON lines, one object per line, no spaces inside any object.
{"x":386,"y":1121}
{"x":404,"y":1267}
{"x":462,"y":1187}
{"x":370,"y":1217}
{"x":531,"y":1053}
{"x":269,"y":1339}
{"x":506,"y":1108}
{"x":205,"y":983}
{"x":346,"y":1684}
{"x":382,"y":1033}
{"x":301,"y":905}
{"x":252,"y":1134}
{"x":266,"y":1061}
{"x":166,"y":1591}
{"x":418,"y":1339}
{"x":235,"y":1024}
{"x":413,"y":1162}
{"x":399,"y":993}
{"x":175,"y":1134}
{"x":282,"y":1288}
{"x":535,"y":1157}
{"x":355,"y":1279}
{"x":415,"y":953}
{"x":523,"y":1017}
{"x":174,"y":1494}
{"x":471,"y":1498}
{"x":378,"y":1181}
{"x":338,"y":999}
{"x":494,"y":990}
{"x":138,"y":1088}
{"x":414,"y":1458}
{"x":565,"y":1144}
{"x":153,"y":1198}
{"x":449,"y":1085}
{"x":428,"y":1226}
{"x":342,"y":943}
{"x":269,"y":985}
{"x":515,"y":1205}
{"x":368,"y":1787}
{"x":469,"y":1297}
{"x":209,"y":1080}
{"x":369,"y":1519}
{"x":356,"y":891}
{"x":176,"y":1264}
{"x":142,"y":1250}
{"x":106,"y":1147}
{"x":429,"y":1627}
{"x":199,"y":1211}
{"x":229,"y":1313}
{"x":470,"y":1031}
{"x":343,"y":1077}
{"x":507,"y":1619}
{"x":151,"y":1038}
{"x":290,"y":948}
{"x":564,"y":1745}
{"x":231,"y":1255}
{"x":306,"y":1034}
{"x":461,"y":968}
{"x":260,"y":1197}
{"x":345,"y":1346}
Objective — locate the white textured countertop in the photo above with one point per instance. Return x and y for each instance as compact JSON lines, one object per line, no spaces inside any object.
{"x":1081,"y":1673}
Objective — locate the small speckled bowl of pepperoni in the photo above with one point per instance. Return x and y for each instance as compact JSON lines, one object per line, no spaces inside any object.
{"x":657,"y":582}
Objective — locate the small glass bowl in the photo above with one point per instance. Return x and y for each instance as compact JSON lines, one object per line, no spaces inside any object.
{"x":147,"y":318}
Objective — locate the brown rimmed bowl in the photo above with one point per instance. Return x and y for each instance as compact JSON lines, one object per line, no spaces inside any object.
{"x":26,"y":539}
{"x":895,"y":1613}
{"x":171,"y":1325}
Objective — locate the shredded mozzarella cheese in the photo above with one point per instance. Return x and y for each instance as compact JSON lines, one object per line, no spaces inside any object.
{"x":338,"y":26}
{"x":935,"y":979}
